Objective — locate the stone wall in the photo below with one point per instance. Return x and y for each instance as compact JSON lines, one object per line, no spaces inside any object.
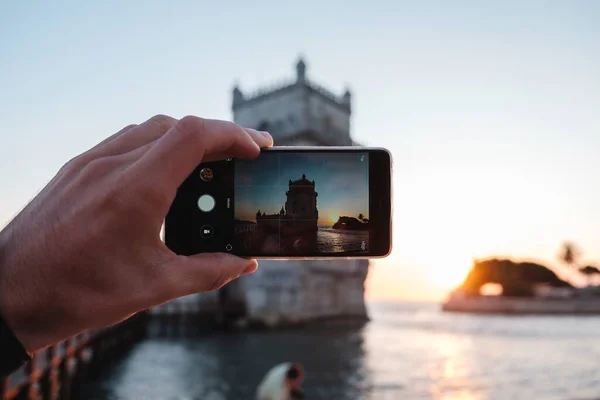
{"x":283,"y":292}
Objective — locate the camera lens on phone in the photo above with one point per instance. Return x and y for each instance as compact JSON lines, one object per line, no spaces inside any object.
{"x":206,"y":174}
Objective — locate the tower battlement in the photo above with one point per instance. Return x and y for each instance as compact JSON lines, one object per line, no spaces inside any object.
{"x":342,"y":101}
{"x":240,"y":99}
{"x":296,"y":108}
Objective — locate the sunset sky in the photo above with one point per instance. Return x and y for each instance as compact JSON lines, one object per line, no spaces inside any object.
{"x":341,"y":182}
{"x":490,"y":109}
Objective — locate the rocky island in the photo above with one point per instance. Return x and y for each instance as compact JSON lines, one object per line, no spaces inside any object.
{"x":351,"y":224}
{"x":525,"y":288}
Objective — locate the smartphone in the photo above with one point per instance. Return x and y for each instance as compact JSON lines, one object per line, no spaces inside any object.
{"x":288,"y":203}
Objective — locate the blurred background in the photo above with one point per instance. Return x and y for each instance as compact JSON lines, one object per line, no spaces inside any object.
{"x":490,"y":110}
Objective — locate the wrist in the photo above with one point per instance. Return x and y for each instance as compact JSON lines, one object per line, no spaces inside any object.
{"x":5,"y":287}
{"x":12,"y":349}
{"x":31,"y":303}
{"x":15,"y":309}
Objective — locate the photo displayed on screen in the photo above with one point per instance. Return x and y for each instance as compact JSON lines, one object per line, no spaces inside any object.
{"x":297,"y":203}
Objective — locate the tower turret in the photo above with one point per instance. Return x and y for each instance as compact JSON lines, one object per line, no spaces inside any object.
{"x":300,"y":71}
{"x":347,"y":99}
{"x":238,"y":97}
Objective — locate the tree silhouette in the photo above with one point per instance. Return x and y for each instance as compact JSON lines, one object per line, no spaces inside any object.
{"x":569,"y":254}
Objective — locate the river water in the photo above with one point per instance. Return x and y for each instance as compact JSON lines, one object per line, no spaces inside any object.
{"x":407,"y":351}
{"x":331,"y":240}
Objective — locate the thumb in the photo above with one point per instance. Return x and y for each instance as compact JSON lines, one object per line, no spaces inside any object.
{"x":208,"y":271}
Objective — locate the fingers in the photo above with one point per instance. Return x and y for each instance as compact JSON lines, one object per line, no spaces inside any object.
{"x":202,"y":273}
{"x":261,"y":138}
{"x":193,"y":140}
{"x":135,"y":136}
{"x":257,"y":136}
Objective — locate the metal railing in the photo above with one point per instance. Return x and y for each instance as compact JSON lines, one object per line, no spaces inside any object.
{"x":53,"y":372}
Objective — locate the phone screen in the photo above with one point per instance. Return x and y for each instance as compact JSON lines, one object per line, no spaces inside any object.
{"x":302,"y":203}
{"x":286,"y":203}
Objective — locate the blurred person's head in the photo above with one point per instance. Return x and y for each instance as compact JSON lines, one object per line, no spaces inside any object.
{"x":282,"y":382}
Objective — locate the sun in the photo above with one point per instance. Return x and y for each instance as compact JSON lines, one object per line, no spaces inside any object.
{"x":332,"y":219}
{"x":443,"y":264}
{"x":448,"y":270}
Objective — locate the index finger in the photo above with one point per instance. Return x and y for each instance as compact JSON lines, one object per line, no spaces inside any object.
{"x":192,"y":140}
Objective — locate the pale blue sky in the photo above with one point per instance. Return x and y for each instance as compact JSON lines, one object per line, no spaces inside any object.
{"x":491,"y":109}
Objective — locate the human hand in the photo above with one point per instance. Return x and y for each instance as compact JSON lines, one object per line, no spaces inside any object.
{"x":86,"y":252}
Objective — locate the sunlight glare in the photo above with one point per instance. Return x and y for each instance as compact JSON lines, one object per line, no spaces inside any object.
{"x":491,"y":289}
{"x":448,"y":267}
{"x":455,"y":369}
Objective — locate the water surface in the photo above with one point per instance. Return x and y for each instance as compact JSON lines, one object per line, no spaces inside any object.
{"x":408,"y":351}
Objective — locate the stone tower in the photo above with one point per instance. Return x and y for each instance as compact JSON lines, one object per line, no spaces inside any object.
{"x":298,"y":113}
{"x":301,"y":199}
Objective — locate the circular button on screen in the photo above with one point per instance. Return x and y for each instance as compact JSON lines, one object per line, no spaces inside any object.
{"x":206,"y":203}
{"x":206,"y":231}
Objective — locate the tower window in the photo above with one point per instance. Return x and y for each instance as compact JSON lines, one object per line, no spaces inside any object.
{"x":263,"y":126}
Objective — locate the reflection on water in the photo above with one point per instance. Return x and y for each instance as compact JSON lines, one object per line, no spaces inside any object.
{"x":332,"y":240}
{"x":407,"y":351}
{"x":452,"y":377}
{"x":448,"y":356}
